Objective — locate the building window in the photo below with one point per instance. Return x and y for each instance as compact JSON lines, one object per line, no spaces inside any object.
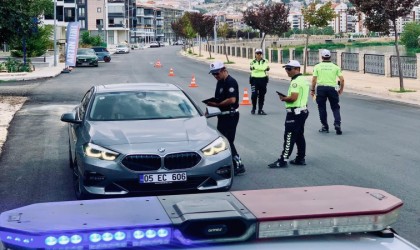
{"x":99,"y":10}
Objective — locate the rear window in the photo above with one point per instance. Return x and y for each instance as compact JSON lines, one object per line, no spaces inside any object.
{"x":100,"y":49}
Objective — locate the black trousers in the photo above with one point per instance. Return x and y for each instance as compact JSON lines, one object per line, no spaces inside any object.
{"x":258,"y":91}
{"x":226,"y":125}
{"x":324,"y":93}
{"x":294,"y":128}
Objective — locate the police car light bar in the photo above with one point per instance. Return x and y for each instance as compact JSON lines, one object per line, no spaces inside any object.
{"x":320,"y":210}
{"x":195,"y":219}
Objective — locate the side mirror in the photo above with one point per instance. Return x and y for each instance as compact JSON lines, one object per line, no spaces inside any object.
{"x":70,"y":117}
{"x":212,"y":111}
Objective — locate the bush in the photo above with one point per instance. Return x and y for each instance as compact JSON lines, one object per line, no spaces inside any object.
{"x":13,"y":65}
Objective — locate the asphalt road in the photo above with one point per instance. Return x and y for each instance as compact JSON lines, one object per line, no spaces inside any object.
{"x":379,"y":147}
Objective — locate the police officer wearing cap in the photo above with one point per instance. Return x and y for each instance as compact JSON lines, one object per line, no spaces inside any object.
{"x":297,"y":113}
{"x":227,"y":100}
{"x":258,"y":80}
{"x":325,"y":80}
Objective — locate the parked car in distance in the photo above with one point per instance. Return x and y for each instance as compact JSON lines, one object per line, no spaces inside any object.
{"x":86,"y":57}
{"x":154,"y":45}
{"x":102,"y":53}
{"x":179,"y":42}
{"x":122,"y":49}
{"x":144,"y":138}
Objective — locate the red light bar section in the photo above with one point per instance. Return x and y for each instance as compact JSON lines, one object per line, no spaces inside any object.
{"x":316,"y":202}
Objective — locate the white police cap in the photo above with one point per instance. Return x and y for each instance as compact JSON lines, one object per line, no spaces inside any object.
{"x":216,"y":67}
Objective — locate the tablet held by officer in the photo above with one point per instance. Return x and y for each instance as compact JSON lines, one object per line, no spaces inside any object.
{"x":258,"y":80}
{"x":296,"y":114}
{"x":325,"y":87}
{"x":227,"y":100}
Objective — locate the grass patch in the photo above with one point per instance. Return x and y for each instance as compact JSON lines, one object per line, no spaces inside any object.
{"x":402,"y":91}
{"x":210,"y":58}
{"x":230,"y":62}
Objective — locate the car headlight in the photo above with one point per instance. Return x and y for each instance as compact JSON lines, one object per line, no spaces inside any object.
{"x":99,"y":152}
{"x":217,"y":146}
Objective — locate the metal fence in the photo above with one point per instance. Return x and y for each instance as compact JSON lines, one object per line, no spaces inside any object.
{"x":313,"y":57}
{"x":408,"y":66}
{"x":298,"y":55}
{"x":274,"y":57}
{"x":350,"y":61}
{"x":285,"y":56}
{"x":374,"y":64}
{"x":251,"y":53}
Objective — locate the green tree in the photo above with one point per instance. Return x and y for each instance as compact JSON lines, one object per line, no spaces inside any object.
{"x":381,"y":16}
{"x":223,"y":31}
{"x":410,"y":35}
{"x":190,"y":33}
{"x":37,"y":44}
{"x":314,"y":17}
{"x":87,"y":39}
{"x":203,"y":25}
{"x":268,"y":19}
{"x":19,"y":21}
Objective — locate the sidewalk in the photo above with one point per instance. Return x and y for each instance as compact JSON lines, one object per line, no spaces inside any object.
{"x":358,"y":83}
{"x":39,"y":73}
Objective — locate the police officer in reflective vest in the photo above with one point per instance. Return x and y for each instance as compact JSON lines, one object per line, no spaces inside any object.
{"x":325,"y":80}
{"x":227,"y":100}
{"x":297,"y":113}
{"x":258,"y":81}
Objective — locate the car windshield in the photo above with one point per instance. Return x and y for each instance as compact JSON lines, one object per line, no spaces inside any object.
{"x":143,"y":105}
{"x":85,"y":52}
{"x":121,"y":46}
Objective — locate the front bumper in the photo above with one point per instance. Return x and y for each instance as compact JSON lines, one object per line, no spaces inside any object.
{"x":113,"y":178}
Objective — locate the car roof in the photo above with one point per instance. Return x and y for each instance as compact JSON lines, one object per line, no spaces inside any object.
{"x":126,"y":87}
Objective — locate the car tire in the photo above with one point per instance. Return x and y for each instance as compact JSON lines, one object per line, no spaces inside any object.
{"x":107,"y":59}
{"x":78,"y":184}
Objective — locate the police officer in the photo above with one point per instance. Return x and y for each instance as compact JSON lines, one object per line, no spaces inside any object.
{"x":227,"y":100}
{"x":258,"y":81}
{"x":325,"y":80}
{"x":297,"y":113}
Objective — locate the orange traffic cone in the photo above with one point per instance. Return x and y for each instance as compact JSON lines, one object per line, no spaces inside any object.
{"x":171,"y":72}
{"x":245,"y":99}
{"x":157,"y":64}
{"x":193,"y":84}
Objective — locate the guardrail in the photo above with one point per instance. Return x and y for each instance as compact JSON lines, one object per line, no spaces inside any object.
{"x":366,"y":63}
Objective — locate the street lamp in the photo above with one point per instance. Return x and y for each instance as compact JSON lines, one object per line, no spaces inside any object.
{"x":215,"y":26}
{"x":55,"y":33}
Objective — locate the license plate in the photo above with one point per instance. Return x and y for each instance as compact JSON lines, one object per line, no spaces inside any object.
{"x":85,"y":64}
{"x":161,"y":178}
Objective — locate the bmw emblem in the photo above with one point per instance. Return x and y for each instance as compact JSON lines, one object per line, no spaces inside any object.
{"x":161,"y":150}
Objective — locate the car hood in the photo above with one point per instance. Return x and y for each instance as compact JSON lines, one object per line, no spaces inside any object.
{"x":177,"y":132}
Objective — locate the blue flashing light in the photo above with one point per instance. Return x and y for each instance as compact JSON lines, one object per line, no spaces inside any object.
{"x":75,"y":239}
{"x":95,"y":237}
{"x":50,"y":241}
{"x":107,"y":236}
{"x":138,"y":234}
{"x":150,"y":233}
{"x":63,"y":240}
{"x":119,"y":235}
{"x":162,"y":232}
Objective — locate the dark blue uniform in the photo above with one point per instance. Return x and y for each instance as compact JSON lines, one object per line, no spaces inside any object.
{"x":227,"y":123}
